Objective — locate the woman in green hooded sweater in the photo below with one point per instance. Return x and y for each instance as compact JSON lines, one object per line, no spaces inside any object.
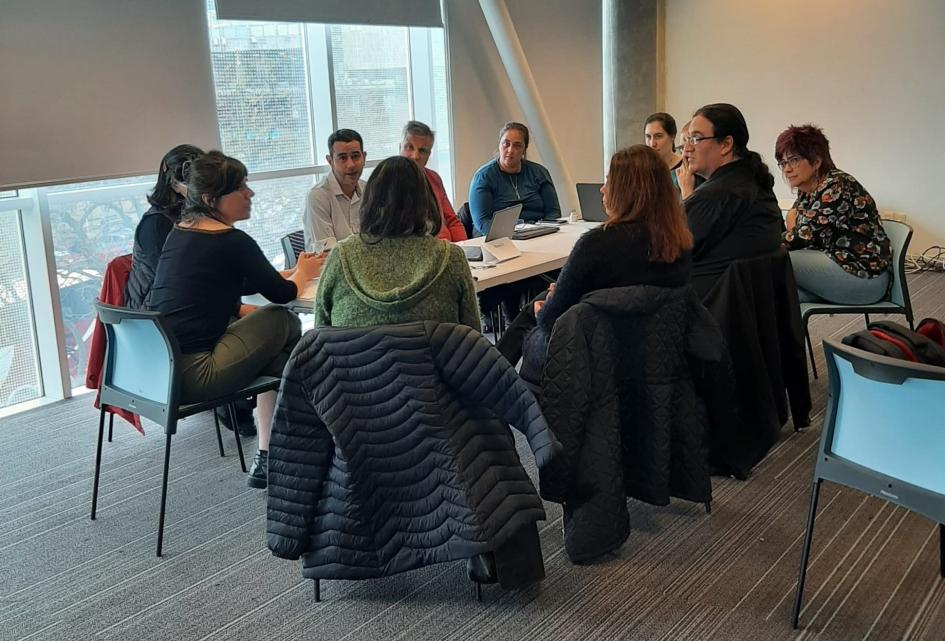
{"x":396,"y":270}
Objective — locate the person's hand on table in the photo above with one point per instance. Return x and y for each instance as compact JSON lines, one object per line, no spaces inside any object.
{"x":246,"y":310}
{"x":309,"y":265}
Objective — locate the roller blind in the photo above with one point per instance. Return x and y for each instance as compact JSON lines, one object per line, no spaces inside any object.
{"x":101,"y":88}
{"x":409,"y":13}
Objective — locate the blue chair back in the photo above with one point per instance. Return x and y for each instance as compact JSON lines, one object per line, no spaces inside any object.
{"x":141,"y":364}
{"x":899,"y":236}
{"x":883,"y":431}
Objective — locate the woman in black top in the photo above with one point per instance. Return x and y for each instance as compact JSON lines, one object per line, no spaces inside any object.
{"x":167,"y":200}
{"x":204,"y":269}
{"x":644,"y":241}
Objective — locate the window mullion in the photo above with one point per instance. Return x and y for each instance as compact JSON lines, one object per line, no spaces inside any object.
{"x":321,"y":88}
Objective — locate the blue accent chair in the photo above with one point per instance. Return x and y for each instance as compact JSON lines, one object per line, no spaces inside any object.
{"x":896,"y":301}
{"x":883,"y":434}
{"x":142,"y":375}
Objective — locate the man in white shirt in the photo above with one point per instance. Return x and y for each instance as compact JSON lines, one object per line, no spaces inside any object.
{"x":333,"y":206}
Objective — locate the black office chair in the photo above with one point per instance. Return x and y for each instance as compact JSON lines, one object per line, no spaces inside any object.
{"x":465,"y":217}
{"x":292,"y":245}
{"x":882,"y":435}
{"x":142,"y":374}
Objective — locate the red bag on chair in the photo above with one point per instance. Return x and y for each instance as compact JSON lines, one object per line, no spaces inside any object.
{"x":932,"y":329}
{"x":113,"y":293}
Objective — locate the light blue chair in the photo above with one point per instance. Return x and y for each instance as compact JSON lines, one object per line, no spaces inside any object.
{"x":142,"y":375}
{"x":897,"y":299}
{"x":883,"y":434}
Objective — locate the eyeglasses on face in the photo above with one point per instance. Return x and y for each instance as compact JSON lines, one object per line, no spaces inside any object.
{"x":696,"y":139}
{"x":789,"y":162}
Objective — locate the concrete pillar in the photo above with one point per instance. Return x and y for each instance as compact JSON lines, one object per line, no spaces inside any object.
{"x":632,"y":76}
{"x":523,"y":83}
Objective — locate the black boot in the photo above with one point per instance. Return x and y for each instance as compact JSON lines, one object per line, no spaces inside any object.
{"x":481,"y":568}
{"x":259,"y":472}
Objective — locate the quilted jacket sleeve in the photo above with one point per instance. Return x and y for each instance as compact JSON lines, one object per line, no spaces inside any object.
{"x":565,"y":401}
{"x":300,"y":455}
{"x":472,"y":366}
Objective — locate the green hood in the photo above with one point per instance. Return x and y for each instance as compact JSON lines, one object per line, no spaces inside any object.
{"x":392,"y":274}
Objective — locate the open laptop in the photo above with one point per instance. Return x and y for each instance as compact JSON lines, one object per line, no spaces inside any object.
{"x":503,"y":226}
{"x":589,"y":198}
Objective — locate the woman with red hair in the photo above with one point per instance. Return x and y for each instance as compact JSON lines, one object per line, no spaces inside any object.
{"x":644,"y":241}
{"x":839,"y":249}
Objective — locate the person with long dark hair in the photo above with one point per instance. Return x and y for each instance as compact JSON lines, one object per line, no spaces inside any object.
{"x":166,"y":200}
{"x":734,"y":214}
{"x":839,"y":250}
{"x":645,"y":241}
{"x":206,"y":265}
{"x":396,"y":270}
{"x":511,"y":179}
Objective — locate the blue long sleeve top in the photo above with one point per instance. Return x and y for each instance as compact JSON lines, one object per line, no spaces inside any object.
{"x":492,"y":189}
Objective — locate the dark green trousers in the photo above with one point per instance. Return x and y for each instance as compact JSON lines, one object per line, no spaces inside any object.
{"x":256,"y":345}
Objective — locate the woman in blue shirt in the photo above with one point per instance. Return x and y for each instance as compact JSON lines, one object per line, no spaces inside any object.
{"x":511,"y":179}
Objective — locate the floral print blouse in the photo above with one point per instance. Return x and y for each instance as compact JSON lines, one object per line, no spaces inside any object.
{"x":840,"y":218}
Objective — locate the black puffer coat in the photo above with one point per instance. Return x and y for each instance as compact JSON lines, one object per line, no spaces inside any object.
{"x":618,"y":393}
{"x":390,"y":450}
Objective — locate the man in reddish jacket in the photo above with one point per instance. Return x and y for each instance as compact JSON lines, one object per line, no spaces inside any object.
{"x":417,"y":144}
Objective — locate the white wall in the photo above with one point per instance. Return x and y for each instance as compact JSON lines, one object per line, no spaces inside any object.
{"x":870,"y":72}
{"x":562,"y":42}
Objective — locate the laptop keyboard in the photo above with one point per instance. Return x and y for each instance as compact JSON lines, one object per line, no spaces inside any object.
{"x":533,"y":231}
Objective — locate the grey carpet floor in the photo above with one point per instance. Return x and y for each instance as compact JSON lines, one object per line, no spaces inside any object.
{"x":682,"y":574}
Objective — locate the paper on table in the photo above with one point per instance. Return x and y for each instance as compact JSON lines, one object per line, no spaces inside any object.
{"x":310,"y":289}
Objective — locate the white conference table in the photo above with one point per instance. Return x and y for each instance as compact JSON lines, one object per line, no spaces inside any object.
{"x":539,"y":255}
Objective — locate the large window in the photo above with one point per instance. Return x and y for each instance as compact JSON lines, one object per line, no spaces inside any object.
{"x":19,"y":368}
{"x":281,"y":89}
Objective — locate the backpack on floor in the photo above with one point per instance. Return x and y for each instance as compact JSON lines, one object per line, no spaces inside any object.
{"x":932,"y":329}
{"x":896,"y":341}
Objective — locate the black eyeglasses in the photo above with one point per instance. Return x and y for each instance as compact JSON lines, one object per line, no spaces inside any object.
{"x":695,"y":140}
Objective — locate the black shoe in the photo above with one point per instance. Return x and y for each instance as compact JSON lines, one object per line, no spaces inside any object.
{"x":258,"y":473}
{"x":244,"y":419}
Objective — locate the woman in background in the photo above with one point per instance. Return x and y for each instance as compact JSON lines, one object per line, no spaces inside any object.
{"x":512,"y":179}
{"x":166,"y":200}
{"x":659,"y":132}
{"x":206,"y":265}
{"x":839,"y":248}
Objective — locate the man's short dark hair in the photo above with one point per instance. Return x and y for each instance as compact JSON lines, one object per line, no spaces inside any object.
{"x":344,"y":135}
{"x":417,"y":128}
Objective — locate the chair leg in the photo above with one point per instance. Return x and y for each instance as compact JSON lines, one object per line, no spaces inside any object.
{"x":867,"y":317}
{"x":805,"y":555}
{"x":810,"y":351}
{"x":478,"y":591}
{"x":111,"y":423}
{"x":318,"y":591}
{"x":167,"y":461}
{"x":216,"y":423}
{"x":911,"y":324}
{"x":231,"y":408}
{"x":708,"y":507}
{"x":98,"y":460}
{"x":941,"y":549}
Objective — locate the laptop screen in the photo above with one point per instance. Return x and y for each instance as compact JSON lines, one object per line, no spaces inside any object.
{"x":589,"y":198}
